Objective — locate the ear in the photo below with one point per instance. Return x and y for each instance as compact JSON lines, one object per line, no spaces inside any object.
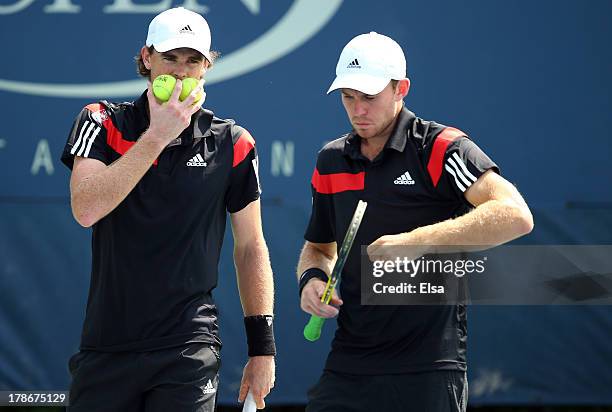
{"x":403,"y":87}
{"x":146,"y":57}
{"x":207,"y":64}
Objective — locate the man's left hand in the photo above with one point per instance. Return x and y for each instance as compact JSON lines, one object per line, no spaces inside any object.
{"x":258,"y":377}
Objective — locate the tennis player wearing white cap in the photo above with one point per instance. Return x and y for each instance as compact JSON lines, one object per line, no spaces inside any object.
{"x":426,"y":184}
{"x":142,"y":178}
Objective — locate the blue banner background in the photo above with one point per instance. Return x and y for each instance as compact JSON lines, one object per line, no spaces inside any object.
{"x":528,"y":81}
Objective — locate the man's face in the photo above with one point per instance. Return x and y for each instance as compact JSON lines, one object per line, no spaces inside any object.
{"x":180,"y":63}
{"x":372,"y":116}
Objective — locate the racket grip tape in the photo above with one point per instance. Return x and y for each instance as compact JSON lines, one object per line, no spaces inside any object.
{"x":249,"y":403}
{"x":312,"y":330}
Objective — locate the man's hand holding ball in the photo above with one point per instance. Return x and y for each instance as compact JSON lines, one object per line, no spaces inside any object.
{"x":173,"y":115}
{"x":163,"y":85}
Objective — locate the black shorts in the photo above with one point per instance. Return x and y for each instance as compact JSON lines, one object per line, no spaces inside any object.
{"x":437,"y":391}
{"x":179,"y":379}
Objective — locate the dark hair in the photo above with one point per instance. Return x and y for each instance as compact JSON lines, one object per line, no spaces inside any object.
{"x":144,"y":72}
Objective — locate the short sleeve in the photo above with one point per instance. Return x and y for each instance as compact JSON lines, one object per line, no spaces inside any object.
{"x":88,"y":136}
{"x":321,"y":225}
{"x":464,"y":163}
{"x":244,"y":186}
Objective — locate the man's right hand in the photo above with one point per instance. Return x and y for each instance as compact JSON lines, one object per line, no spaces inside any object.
{"x":169,"y":119}
{"x":311,"y":300}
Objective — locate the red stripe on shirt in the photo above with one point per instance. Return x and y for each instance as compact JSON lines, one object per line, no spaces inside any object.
{"x":436,"y":160}
{"x":337,"y":182}
{"x":114,"y":138}
{"x":243,"y":147}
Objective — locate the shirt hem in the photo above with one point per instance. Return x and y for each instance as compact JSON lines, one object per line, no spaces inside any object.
{"x":398,"y":370}
{"x":156,"y":344}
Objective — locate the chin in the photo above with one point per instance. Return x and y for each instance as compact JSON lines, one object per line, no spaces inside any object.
{"x":367,"y":133}
{"x":361,"y":131}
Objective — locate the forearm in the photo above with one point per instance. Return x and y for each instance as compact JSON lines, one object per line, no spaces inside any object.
{"x":490,"y":224}
{"x":314,"y":257}
{"x":255,"y":281}
{"x":95,"y":195}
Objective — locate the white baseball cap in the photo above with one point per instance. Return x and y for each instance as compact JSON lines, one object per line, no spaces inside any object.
{"x":368,"y":63}
{"x":179,"y":27}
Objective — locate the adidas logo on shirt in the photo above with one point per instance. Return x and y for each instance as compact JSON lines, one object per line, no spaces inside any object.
{"x":404,"y":179}
{"x":209,"y":388}
{"x":197,"y":161}
{"x":354,"y":65}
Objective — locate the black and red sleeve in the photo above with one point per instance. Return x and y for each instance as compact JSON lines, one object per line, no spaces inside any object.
{"x":88,"y":137}
{"x":244,"y":185}
{"x":321,"y":225}
{"x":456,"y":162}
{"x":328,"y":183}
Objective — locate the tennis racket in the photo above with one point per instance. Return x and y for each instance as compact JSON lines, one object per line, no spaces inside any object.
{"x":312,"y":331}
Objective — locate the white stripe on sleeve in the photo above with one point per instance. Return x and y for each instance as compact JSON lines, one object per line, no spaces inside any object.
{"x":85,"y":139}
{"x":452,"y":172}
{"x":464,"y":167}
{"x":91,"y":140}
{"x":78,"y":142}
{"x":460,"y":175}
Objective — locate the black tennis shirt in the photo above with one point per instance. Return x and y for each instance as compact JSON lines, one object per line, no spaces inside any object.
{"x":155,"y":256}
{"x":418,"y":179}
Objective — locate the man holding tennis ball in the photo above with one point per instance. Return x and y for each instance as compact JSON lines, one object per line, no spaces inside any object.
{"x":425,"y":184}
{"x":164,"y":84}
{"x":155,"y":178}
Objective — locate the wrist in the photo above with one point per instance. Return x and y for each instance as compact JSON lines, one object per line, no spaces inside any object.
{"x":309,"y":274}
{"x":155,"y":138}
{"x":260,"y":335}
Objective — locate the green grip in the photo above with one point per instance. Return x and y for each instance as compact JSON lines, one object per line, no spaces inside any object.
{"x":312,"y":330}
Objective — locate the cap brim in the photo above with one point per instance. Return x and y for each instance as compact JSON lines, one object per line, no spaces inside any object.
{"x":175,"y":43}
{"x":361,"y":82}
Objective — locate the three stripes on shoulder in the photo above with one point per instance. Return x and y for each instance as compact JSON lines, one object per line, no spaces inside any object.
{"x":88,"y":134}
{"x":463,"y":177}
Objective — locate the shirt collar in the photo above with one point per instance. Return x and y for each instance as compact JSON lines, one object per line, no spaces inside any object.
{"x":397,"y":139}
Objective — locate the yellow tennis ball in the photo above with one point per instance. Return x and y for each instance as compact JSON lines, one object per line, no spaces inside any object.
{"x":163,"y":85}
{"x":188,"y":85}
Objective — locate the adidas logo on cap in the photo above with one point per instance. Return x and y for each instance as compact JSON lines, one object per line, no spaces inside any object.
{"x":186,"y":29}
{"x":404,"y":179}
{"x":354,"y":65}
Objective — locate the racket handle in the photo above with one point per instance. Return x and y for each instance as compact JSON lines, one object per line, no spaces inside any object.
{"x":312,"y":330}
{"x":249,"y":404}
